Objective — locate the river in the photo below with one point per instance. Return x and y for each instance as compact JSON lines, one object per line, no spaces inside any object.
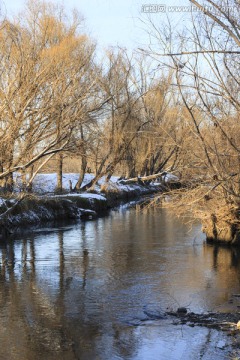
{"x":95,"y":289}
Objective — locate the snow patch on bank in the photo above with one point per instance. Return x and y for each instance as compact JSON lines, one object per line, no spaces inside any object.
{"x":47,"y":183}
{"x":93,"y":196}
{"x":83,"y":195}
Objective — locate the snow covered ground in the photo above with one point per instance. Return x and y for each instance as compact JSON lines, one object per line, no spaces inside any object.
{"x":84,"y":196}
{"x":47,"y":183}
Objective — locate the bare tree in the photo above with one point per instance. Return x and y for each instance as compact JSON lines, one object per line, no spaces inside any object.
{"x":46,"y":66}
{"x":205,"y":60}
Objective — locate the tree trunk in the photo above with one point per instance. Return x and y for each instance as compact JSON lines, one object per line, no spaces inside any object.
{"x":1,"y":180}
{"x":59,"y":172}
{"x":24,"y":180}
{"x":82,"y":173}
{"x":9,"y":184}
{"x":99,"y":174}
{"x":83,"y":163}
{"x":29,"y":187}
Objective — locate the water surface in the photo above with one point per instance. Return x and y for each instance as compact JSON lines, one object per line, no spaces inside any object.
{"x":93,"y":290}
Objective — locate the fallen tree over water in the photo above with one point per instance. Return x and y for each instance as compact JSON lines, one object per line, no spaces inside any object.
{"x":164,"y":178}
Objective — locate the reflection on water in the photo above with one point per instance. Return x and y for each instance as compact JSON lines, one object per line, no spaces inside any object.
{"x":78,"y":292}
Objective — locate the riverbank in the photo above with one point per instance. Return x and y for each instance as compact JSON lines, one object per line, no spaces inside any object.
{"x":43,"y":205}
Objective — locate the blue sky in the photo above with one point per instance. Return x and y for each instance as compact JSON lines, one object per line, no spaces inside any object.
{"x":110,"y":22}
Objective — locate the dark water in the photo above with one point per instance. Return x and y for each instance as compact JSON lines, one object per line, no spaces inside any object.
{"x":93,"y":290}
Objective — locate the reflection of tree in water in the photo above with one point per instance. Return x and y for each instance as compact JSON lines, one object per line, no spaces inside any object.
{"x":85,"y":261}
{"x":224,"y":256}
{"x":35,"y":323}
{"x":85,"y":267}
{"x":226,"y":264}
{"x":215,"y":257}
{"x":125,"y":341}
{"x":7,"y":253}
{"x":235,"y":257}
{"x":29,"y":326}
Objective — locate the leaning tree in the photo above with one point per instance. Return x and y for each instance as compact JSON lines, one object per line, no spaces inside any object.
{"x":205,"y":59}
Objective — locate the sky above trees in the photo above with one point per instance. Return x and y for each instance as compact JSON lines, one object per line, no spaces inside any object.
{"x":112,"y":22}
